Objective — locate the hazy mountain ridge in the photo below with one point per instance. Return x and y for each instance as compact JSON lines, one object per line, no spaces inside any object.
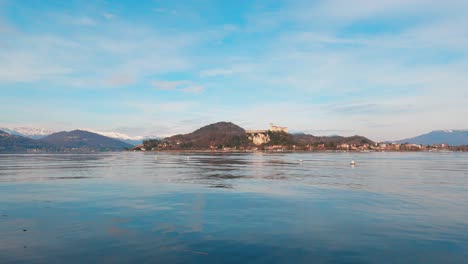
{"x":132,"y":140}
{"x":77,"y":139}
{"x":14,"y":143}
{"x":29,"y":132}
{"x":450,"y":137}
{"x":39,"y":133}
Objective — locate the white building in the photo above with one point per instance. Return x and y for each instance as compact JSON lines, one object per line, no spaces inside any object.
{"x":274,"y":128}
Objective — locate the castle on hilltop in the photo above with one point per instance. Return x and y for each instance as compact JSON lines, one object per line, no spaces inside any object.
{"x":274,"y":128}
{"x":259,"y":137}
{"x":271,"y":128}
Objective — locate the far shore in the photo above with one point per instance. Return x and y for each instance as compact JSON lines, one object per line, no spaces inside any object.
{"x":284,"y":151}
{"x":232,"y":151}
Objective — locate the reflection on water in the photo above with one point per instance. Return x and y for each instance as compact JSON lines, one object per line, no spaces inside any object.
{"x":256,"y":208}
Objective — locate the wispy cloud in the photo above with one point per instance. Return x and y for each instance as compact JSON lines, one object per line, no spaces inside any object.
{"x":168,"y":85}
{"x":164,"y":10}
{"x":121,"y":80}
{"x":193,"y":89}
{"x":84,"y":21}
{"x":91,"y":57}
{"x":216,"y":72}
{"x":108,"y":15}
{"x":181,"y":86}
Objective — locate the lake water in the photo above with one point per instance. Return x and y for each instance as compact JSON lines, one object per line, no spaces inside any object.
{"x":234,"y":208}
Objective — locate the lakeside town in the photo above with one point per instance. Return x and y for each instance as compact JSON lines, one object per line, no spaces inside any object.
{"x":377,"y":147}
{"x":227,"y":137}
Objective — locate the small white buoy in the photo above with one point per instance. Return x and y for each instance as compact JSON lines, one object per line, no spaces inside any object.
{"x":353,"y":163}
{"x":300,"y":161}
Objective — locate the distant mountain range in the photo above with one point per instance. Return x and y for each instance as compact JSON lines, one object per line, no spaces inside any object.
{"x":132,"y":140}
{"x":451,"y":137}
{"x":38,"y":133}
{"x":80,"y":139}
{"x":73,"y":141}
{"x":13,"y":143}
{"x":29,"y":132}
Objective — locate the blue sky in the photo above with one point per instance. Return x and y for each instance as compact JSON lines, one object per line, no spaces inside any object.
{"x":384,"y":69}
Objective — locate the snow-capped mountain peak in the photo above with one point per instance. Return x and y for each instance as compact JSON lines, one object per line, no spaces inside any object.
{"x":33,"y":131}
{"x":29,"y":132}
{"x":38,"y":133}
{"x":134,"y":140}
{"x":116,"y":135}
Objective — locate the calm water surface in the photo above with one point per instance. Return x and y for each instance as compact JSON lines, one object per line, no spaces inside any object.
{"x":234,"y":208}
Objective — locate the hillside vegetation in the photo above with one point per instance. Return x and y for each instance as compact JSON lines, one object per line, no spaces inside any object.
{"x":226,"y":135}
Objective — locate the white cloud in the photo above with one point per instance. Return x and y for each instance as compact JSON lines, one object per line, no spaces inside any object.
{"x":84,"y":21}
{"x":216,"y":72}
{"x":165,"y":10}
{"x":168,"y":85}
{"x":108,"y":15}
{"x":342,"y":12}
{"x":87,"y":59}
{"x":182,"y":86}
{"x":121,"y":80}
{"x":27,"y":67}
{"x":232,"y":68}
{"x":193,"y":89}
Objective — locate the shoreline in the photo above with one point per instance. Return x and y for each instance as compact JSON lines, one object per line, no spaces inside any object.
{"x":285,"y":151}
{"x":228,"y":151}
